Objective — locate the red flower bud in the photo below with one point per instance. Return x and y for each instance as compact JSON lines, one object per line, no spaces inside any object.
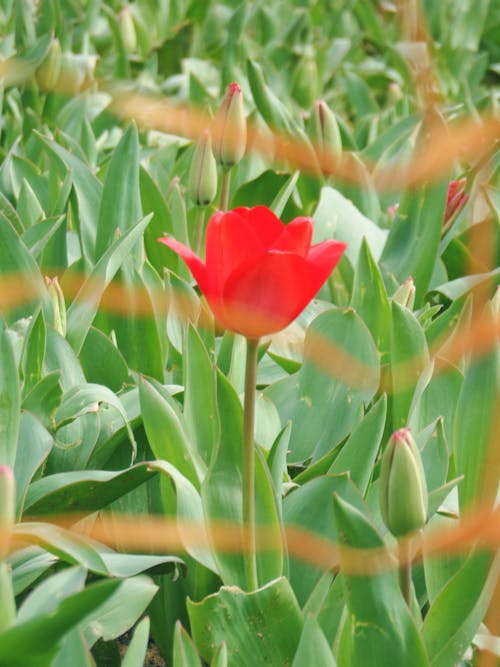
{"x":231,"y":128}
{"x":259,"y":273}
{"x":456,"y":199}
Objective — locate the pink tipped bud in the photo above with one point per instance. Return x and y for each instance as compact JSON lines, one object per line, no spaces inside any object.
{"x":456,"y":199}
{"x":127,"y":29}
{"x":203,"y":173}
{"x":230,"y":128}
{"x":325,"y":132}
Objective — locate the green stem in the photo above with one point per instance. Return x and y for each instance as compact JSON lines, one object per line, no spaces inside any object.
{"x":249,"y":464}
{"x":224,"y":188}
{"x":199,"y":228}
{"x":405,"y":570}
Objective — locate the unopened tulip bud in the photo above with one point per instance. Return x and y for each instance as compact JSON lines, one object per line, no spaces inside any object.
{"x":49,"y":71}
{"x":405,"y":294}
{"x":392,"y":211}
{"x":7,"y":507}
{"x":203,"y":173}
{"x":305,"y":81}
{"x":456,"y":199}
{"x":325,"y":132}
{"x":231,"y":128}
{"x":403,"y":488}
{"x":127,"y":29}
{"x":58,"y":304}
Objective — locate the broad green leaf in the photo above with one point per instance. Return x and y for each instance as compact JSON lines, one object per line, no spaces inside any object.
{"x":28,"y":565}
{"x":120,"y":207}
{"x":84,"y":307}
{"x":357,"y":456}
{"x":413,"y":241}
{"x":337,"y":218}
{"x":454,"y":289}
{"x":474,"y":430}
{"x":44,"y":399}
{"x":85,"y":490}
{"x":33,"y":447}
{"x":409,"y":359}
{"x":369,"y":299}
{"x":48,"y":595}
{"x":340,"y":373}
{"x":382,"y":629}
{"x":166,"y":432}
{"x":185,"y":653}
{"x":136,"y":651}
{"x":88,"y":193}
{"x":313,"y":647}
{"x":262,"y":627}
{"x":120,"y":610}
{"x":456,"y":613}
{"x":10,"y":400}
{"x":154,"y":202}
{"x":102,"y":362}
{"x":74,"y":650}
{"x":34,"y":643}
{"x":200,"y":400}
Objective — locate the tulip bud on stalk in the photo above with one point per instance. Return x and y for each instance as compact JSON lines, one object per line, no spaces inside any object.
{"x":202,"y":184}
{"x":325,"y":133}
{"x":127,"y":29}
{"x":49,"y":71}
{"x":231,"y":137}
{"x":403,"y":498}
{"x":58,"y":304}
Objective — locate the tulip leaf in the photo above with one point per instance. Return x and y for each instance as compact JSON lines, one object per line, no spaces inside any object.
{"x":40,"y":443}
{"x":409,"y":359}
{"x":474,"y":430}
{"x":10,"y":399}
{"x":185,"y":653}
{"x":284,"y":194}
{"x":313,"y":648}
{"x":413,"y":241}
{"x":261,"y":627}
{"x":34,"y":643}
{"x":456,"y":613}
{"x":382,"y":629}
{"x":136,"y":651}
{"x":324,"y":399}
{"x":337,"y":217}
{"x":84,"y":307}
{"x":102,"y":362}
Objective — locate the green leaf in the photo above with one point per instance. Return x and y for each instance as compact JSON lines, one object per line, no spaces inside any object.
{"x":313,"y":647}
{"x":10,"y":399}
{"x":337,"y":217}
{"x":413,"y":241}
{"x":120,"y":207}
{"x":136,"y":651}
{"x":262,"y":627}
{"x":382,"y":629}
{"x":33,"y":437}
{"x":369,"y":299}
{"x":84,"y":491}
{"x":284,"y":194}
{"x":166,"y":432}
{"x":84,"y":307}
{"x":34,"y":643}
{"x":474,"y":430}
{"x":47,"y":596}
{"x":102,"y":362}
{"x":456,"y":613}
{"x":185,"y":653}
{"x":220,"y":656}
{"x":409,"y":359}
{"x":324,"y":399}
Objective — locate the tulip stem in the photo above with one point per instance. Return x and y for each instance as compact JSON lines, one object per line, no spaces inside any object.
{"x":249,"y":463}
{"x":199,"y":227}
{"x":405,"y":581}
{"x":224,"y":188}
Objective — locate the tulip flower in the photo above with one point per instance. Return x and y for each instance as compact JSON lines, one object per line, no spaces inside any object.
{"x":259,"y":273}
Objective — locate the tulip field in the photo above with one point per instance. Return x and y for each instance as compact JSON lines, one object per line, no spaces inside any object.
{"x":249,"y":333}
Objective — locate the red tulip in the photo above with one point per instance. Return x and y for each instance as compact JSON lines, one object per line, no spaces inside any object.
{"x":456,"y":198}
{"x":259,"y":274}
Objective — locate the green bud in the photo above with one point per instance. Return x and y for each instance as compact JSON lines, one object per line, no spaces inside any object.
{"x":58,"y":304}
{"x":305,"y":82}
{"x":203,"y":173}
{"x":7,"y":507}
{"x":230,"y":128}
{"x":324,"y":129}
{"x":49,"y":71}
{"x":403,"y":490}
{"x":405,"y":294}
{"x":127,"y":29}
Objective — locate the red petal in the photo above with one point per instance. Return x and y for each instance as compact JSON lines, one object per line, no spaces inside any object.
{"x":195,"y":264}
{"x":264,"y":296}
{"x":296,"y":237}
{"x":266,"y":226}
{"x":322,"y":258}
{"x":230,"y":241}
